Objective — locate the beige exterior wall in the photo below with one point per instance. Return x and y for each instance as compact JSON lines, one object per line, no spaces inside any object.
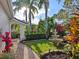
{"x":22,"y":34}
{"x":4,"y":24}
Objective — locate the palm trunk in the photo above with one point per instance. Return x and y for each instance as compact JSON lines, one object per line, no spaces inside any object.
{"x":26,"y":15}
{"x":30,"y":16}
{"x":46,"y":13}
{"x":46,"y":19}
{"x":30,"y":20}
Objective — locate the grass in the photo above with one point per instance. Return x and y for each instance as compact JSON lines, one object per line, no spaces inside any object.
{"x":41,"y":46}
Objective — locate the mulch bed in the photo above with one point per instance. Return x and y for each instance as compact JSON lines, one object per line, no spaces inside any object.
{"x":55,"y":55}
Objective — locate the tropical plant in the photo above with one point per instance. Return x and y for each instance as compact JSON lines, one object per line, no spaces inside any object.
{"x":51,"y":24}
{"x":28,"y":4}
{"x":15,"y":28}
{"x":41,"y":27}
{"x":71,"y":6}
{"x":62,"y":14}
{"x":45,"y":3}
{"x":68,"y":3}
{"x":34,"y":28}
{"x":27,"y":31}
{"x":73,"y":38}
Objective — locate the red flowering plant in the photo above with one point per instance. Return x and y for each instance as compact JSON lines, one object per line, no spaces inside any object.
{"x":73,"y":37}
{"x":7,"y":41}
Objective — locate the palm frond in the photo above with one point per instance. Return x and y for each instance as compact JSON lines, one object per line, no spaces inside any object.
{"x":40,"y":4}
{"x":17,"y":8}
{"x":32,"y":15}
{"x":67,"y":3}
{"x":36,"y":2}
{"x":34,"y":9}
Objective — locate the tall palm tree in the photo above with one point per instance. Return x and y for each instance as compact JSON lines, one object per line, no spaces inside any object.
{"x":30,"y":4}
{"x":62,"y":14}
{"x":71,"y":6}
{"x":32,"y":9}
{"x":46,"y":5}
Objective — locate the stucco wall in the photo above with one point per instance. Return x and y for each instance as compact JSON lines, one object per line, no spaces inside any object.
{"x":4,"y":22}
{"x":22,"y":36}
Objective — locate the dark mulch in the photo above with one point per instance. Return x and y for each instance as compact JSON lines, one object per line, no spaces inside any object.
{"x":55,"y":55}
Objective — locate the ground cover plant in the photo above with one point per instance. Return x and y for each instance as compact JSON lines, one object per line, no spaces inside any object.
{"x":43,"y":46}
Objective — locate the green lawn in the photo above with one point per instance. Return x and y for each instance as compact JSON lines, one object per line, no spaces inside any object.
{"x":41,"y":46}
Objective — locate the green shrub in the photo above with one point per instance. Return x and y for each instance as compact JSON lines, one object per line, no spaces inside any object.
{"x":40,"y":46}
{"x":14,"y":35}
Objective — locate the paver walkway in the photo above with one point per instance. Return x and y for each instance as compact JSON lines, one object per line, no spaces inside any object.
{"x":20,"y":51}
{"x":23,"y":52}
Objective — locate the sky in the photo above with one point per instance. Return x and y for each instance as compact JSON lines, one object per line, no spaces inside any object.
{"x":54,"y":7}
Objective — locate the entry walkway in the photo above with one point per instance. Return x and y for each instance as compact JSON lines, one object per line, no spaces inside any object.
{"x":23,"y":52}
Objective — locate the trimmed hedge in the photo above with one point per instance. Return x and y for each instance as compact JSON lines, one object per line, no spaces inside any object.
{"x":36,"y":36}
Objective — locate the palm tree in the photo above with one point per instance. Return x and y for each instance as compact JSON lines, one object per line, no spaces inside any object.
{"x":46,"y":5}
{"x":28,"y":4}
{"x":62,"y":14}
{"x":71,"y":6}
{"x":32,"y":9}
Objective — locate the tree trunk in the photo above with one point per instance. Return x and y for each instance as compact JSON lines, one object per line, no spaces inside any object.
{"x":26,"y":15}
{"x":30,"y":16}
{"x":46,"y":12}
{"x":30,"y":19}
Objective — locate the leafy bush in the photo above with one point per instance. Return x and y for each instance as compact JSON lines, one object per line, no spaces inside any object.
{"x":40,"y":46}
{"x":14,"y":35}
{"x":73,"y":38}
